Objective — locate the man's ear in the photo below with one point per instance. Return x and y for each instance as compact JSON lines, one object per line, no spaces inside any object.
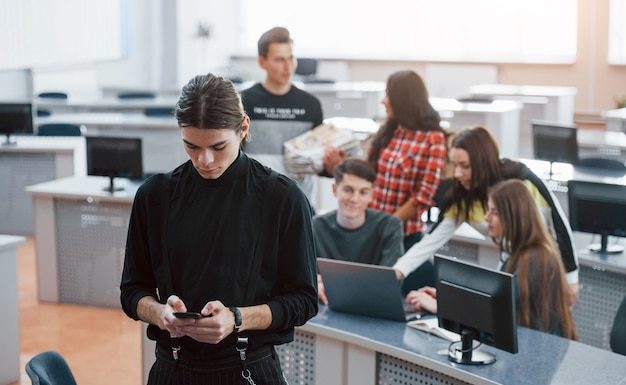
{"x":262,"y":60}
{"x":245,"y":127}
{"x":335,"y":189}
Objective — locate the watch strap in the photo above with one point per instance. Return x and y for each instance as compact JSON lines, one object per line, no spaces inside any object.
{"x":237,"y":313}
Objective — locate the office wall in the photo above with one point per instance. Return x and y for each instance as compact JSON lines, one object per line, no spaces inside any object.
{"x":150,"y":58}
{"x":165,"y":50}
{"x":597,"y":81}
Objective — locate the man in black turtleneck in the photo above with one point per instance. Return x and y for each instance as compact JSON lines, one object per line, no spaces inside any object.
{"x":223,"y":237}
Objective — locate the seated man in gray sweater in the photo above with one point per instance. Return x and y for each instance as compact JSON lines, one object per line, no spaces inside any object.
{"x":353,"y":232}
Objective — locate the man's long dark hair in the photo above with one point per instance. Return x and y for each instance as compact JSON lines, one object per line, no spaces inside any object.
{"x":209,"y":102}
{"x":411,"y":109}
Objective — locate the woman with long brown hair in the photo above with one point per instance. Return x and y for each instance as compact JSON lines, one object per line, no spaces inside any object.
{"x":476,"y":167}
{"x":528,"y":251}
{"x":408,"y":154}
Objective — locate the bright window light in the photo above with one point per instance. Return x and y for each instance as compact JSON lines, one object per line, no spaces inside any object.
{"x":520,"y":31}
{"x":617,"y":32}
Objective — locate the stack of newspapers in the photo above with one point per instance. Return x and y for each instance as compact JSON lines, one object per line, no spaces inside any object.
{"x":304,"y":154}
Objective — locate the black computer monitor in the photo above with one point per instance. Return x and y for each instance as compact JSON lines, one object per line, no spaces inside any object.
{"x":477,"y":303}
{"x":114,"y":157}
{"x":555,"y":143}
{"x":15,"y":118}
{"x":598,"y":208}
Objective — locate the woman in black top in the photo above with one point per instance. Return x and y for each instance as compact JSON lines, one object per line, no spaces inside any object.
{"x":223,"y":236}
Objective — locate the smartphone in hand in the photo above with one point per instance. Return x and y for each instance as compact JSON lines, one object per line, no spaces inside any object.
{"x":188,"y":314}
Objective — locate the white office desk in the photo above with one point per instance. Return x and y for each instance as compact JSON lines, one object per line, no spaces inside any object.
{"x":615,"y":119}
{"x":340,"y":348}
{"x":104,"y":104}
{"x":160,"y":136}
{"x":111,"y":119}
{"x":80,"y":234}
{"x":560,"y":100}
{"x":501,"y":118}
{"x":34,"y":160}
{"x":601,"y":143}
{"x":9,"y":322}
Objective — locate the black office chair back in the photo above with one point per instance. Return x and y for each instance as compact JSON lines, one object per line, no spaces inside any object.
{"x":306,"y":67}
{"x":158,"y":111}
{"x":59,"y":129}
{"x":475,"y":99}
{"x":602,"y":163}
{"x":49,"y":368}
{"x":136,"y":95}
{"x":618,"y":332}
{"x":53,"y":95}
{"x":42,"y":113}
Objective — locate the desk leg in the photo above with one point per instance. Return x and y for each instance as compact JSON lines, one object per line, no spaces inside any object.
{"x":361,"y":366}
{"x":46,"y":248}
{"x":329,"y":361}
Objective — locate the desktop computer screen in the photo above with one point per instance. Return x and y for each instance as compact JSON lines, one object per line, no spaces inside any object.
{"x":598,"y":208}
{"x":114,"y":157}
{"x":477,"y":303}
{"x":555,"y":143}
{"x":16,"y":118}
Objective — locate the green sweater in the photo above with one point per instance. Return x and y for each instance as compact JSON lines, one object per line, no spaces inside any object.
{"x":377,"y":242}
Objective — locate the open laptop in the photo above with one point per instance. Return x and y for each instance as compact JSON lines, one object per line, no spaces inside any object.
{"x":363,"y":289}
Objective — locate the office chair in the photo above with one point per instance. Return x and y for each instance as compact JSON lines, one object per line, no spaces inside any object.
{"x":475,"y":99}
{"x":59,"y":129}
{"x":158,"y":111}
{"x":306,"y":67}
{"x":602,"y":163}
{"x":49,"y":368}
{"x":307,"y":71}
{"x":136,"y":95}
{"x":42,"y":113}
{"x":618,"y":332}
{"x":53,"y":95}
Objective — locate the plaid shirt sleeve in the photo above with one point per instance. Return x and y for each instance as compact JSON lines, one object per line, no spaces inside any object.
{"x":428,"y":165}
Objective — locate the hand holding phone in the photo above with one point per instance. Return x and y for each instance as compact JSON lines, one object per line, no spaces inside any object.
{"x":188,"y":314}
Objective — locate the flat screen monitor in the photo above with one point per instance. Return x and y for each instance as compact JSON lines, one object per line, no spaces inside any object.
{"x":114,"y":157}
{"x":16,"y":118}
{"x":555,"y":143}
{"x":477,"y":303}
{"x":598,"y":208}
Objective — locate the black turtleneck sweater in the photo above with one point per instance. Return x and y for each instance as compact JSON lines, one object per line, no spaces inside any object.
{"x":213,"y":229}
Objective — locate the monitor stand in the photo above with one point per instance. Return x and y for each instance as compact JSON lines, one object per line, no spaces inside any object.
{"x":603,"y":247}
{"x":8,"y":141}
{"x":468,"y":354}
{"x":111,"y":188}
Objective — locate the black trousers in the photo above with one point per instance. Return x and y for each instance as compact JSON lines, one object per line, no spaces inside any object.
{"x":264,"y":369}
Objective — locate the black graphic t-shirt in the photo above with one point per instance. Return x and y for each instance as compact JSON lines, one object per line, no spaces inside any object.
{"x":278,"y":118}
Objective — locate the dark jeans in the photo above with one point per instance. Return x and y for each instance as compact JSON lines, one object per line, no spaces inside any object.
{"x":264,"y":370}
{"x":423,"y":275}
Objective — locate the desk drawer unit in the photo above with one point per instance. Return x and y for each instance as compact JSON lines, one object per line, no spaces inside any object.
{"x":306,"y":361}
{"x":91,"y":239}
{"x":19,"y":170}
{"x":601,"y":293}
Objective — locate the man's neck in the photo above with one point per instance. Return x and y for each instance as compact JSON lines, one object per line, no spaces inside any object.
{"x":276,"y":89}
{"x":350,"y":223}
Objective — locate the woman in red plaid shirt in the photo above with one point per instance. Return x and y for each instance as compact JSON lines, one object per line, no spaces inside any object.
{"x":408,"y":153}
